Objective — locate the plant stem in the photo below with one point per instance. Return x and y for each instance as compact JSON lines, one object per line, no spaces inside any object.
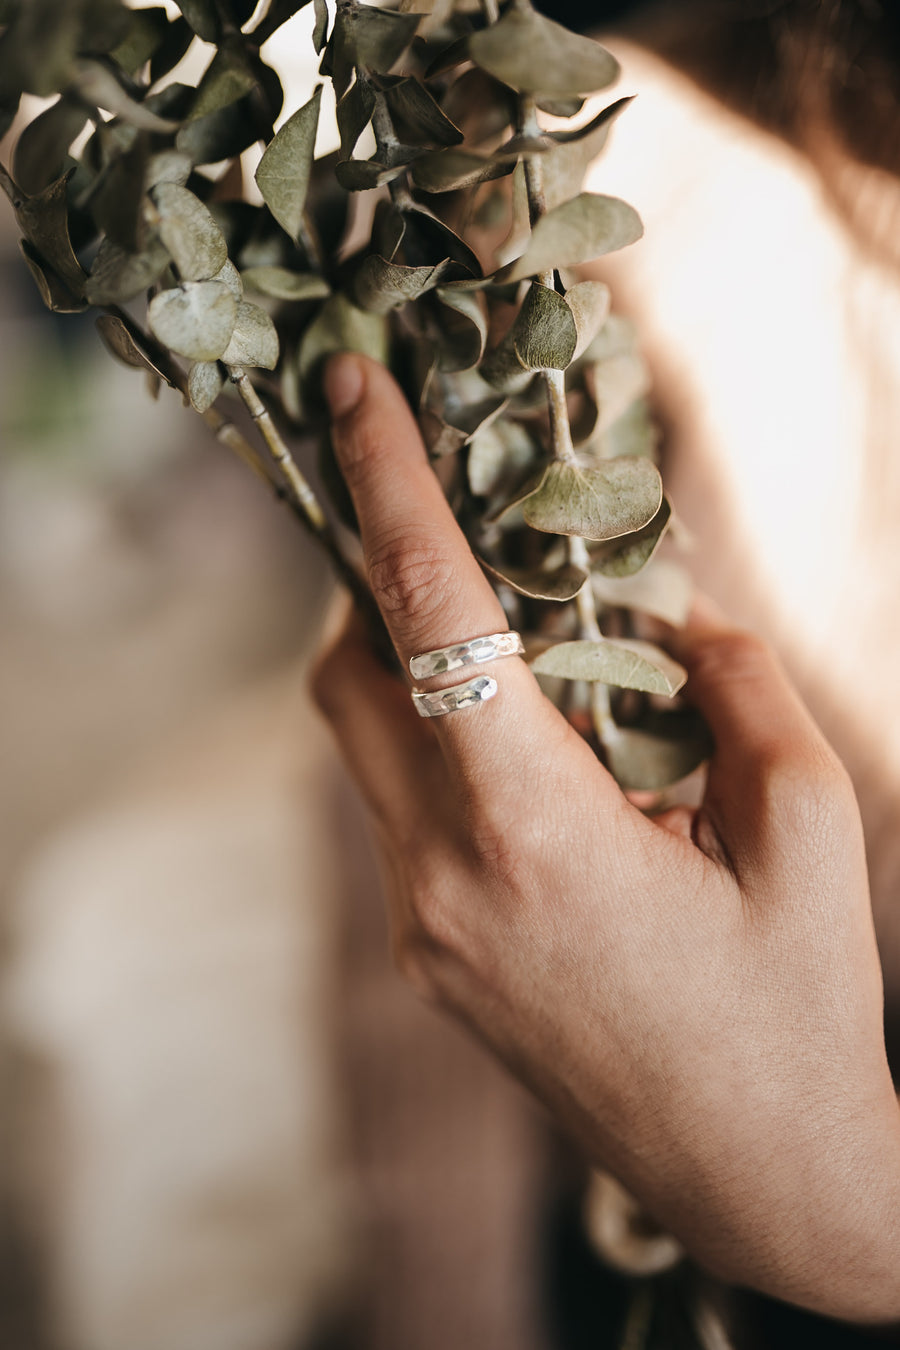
{"x":561,"y":433}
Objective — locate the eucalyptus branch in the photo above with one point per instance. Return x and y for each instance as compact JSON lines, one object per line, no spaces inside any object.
{"x":561,"y":442}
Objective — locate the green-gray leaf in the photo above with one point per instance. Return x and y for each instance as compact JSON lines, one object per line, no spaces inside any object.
{"x":254,"y":341}
{"x":627,"y":556}
{"x":644,"y":760}
{"x":205,"y":384}
{"x":614,"y":499}
{"x":380,"y":286}
{"x":589,"y":303}
{"x":359,"y":175}
{"x":463,"y":329}
{"x":586,"y":227}
{"x":380,"y":36}
{"x":44,"y":221}
{"x":97,"y":85}
{"x":284,"y":170}
{"x":354,"y":113}
{"x":449,"y":170}
{"x":227,"y":78}
{"x":559,"y":583}
{"x":195,"y":320}
{"x":54,"y":292}
{"x":117,"y":276}
{"x":42,"y":149}
{"x":627,"y":664}
{"x":118,"y":340}
{"x":544,"y":333}
{"x":418,"y":116}
{"x":282,"y":284}
{"x":537,"y":56}
{"x":189,"y":232}
{"x":342,"y":326}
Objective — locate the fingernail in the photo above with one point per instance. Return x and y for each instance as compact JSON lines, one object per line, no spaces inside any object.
{"x":344,"y":382}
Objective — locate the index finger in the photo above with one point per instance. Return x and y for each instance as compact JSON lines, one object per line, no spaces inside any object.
{"x":423,"y":575}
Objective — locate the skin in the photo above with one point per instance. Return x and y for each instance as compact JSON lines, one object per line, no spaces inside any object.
{"x":697,"y":997}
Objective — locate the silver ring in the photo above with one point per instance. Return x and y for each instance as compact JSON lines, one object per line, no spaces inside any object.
{"x":476,"y":652}
{"x":457,"y":696}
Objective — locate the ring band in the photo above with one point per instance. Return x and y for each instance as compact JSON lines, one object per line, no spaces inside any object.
{"x":457,"y":696}
{"x":476,"y":652}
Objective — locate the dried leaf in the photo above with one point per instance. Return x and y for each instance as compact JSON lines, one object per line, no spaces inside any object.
{"x":380,"y":36}
{"x":613,"y":499}
{"x":42,"y":149}
{"x":450,"y":170}
{"x":44,"y":221}
{"x":586,"y":227}
{"x":117,"y":276}
{"x":426,"y":239}
{"x":119,"y":342}
{"x":626,"y":557}
{"x":254,"y":341}
{"x":320,"y":25}
{"x":544,"y":334}
{"x":201,"y":15}
{"x":227,"y":78}
{"x":614,"y":385}
{"x":230,"y":277}
{"x":342,"y":326}
{"x":195,"y":319}
{"x":359,"y":175}
{"x":663,"y":588}
{"x":417,"y":115}
{"x":167,"y":166}
{"x":480,"y":106}
{"x":443,"y":436}
{"x":558,"y":583}
{"x":354,"y":112}
{"x":645,"y":759}
{"x":98,"y":86}
{"x":118,"y":200}
{"x":534,"y":55}
{"x":502,"y":458}
{"x":627,"y":664}
{"x":284,"y":170}
{"x":589,"y":303}
{"x":463,"y":329}
{"x":194,"y":240}
{"x":282,"y":284}
{"x":178,"y":37}
{"x":147,"y":30}
{"x":55,"y":294}
{"x":380,"y":286}
{"x":205,"y":384}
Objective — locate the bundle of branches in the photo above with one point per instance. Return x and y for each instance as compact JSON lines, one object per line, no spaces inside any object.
{"x":447,"y":250}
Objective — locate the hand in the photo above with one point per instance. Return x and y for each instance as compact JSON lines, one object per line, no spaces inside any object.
{"x":697,"y":997}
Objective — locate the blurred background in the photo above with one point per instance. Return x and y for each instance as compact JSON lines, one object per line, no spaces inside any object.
{"x":226,"y":1125}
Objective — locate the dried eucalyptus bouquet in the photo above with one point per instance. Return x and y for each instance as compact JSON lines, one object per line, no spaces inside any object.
{"x":443,"y":238}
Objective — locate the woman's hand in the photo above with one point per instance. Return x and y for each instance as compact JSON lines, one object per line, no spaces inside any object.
{"x":697,"y":997}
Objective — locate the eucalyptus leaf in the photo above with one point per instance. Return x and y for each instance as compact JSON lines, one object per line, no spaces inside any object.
{"x":118,"y":276}
{"x":381,"y":36}
{"x":614,"y":385}
{"x":480,"y":106}
{"x":354,"y":112}
{"x":381,"y":286}
{"x":625,"y":557}
{"x":254,"y":340}
{"x":463,"y":328}
{"x":418,"y":116}
{"x":342,"y":326}
{"x":167,"y":166}
{"x":43,"y":218}
{"x":502,"y":458}
{"x":118,"y":200}
{"x":205,"y":384}
{"x":443,"y":436}
{"x":118,"y":340}
{"x":230,"y":277}
{"x":534,"y":55}
{"x":147,"y":30}
{"x":176,"y":40}
{"x":320,"y":25}
{"x":587,"y":227}
{"x":97,"y":85}
{"x":195,"y":319}
{"x":427,"y":239}
{"x":627,"y":664}
{"x":42,"y":149}
{"x":558,"y":583}
{"x":194,"y":240}
{"x":545,"y":335}
{"x":282,"y":284}
{"x":284,"y":170}
{"x":227,"y":78}
{"x":54,"y":292}
{"x":589,"y":302}
{"x":450,"y":170}
{"x":563,"y":106}
{"x":663,"y":589}
{"x":202,"y":17}
{"x":614,"y":499}
{"x":652,"y":759}
{"x":360,"y":175}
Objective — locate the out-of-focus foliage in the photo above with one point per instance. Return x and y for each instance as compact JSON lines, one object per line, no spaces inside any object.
{"x":458,"y":272}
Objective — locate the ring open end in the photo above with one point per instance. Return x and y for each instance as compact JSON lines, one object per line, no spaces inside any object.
{"x":458,"y":696}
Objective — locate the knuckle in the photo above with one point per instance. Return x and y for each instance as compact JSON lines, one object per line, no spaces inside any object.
{"x":733,"y":656}
{"x":410,"y":577}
